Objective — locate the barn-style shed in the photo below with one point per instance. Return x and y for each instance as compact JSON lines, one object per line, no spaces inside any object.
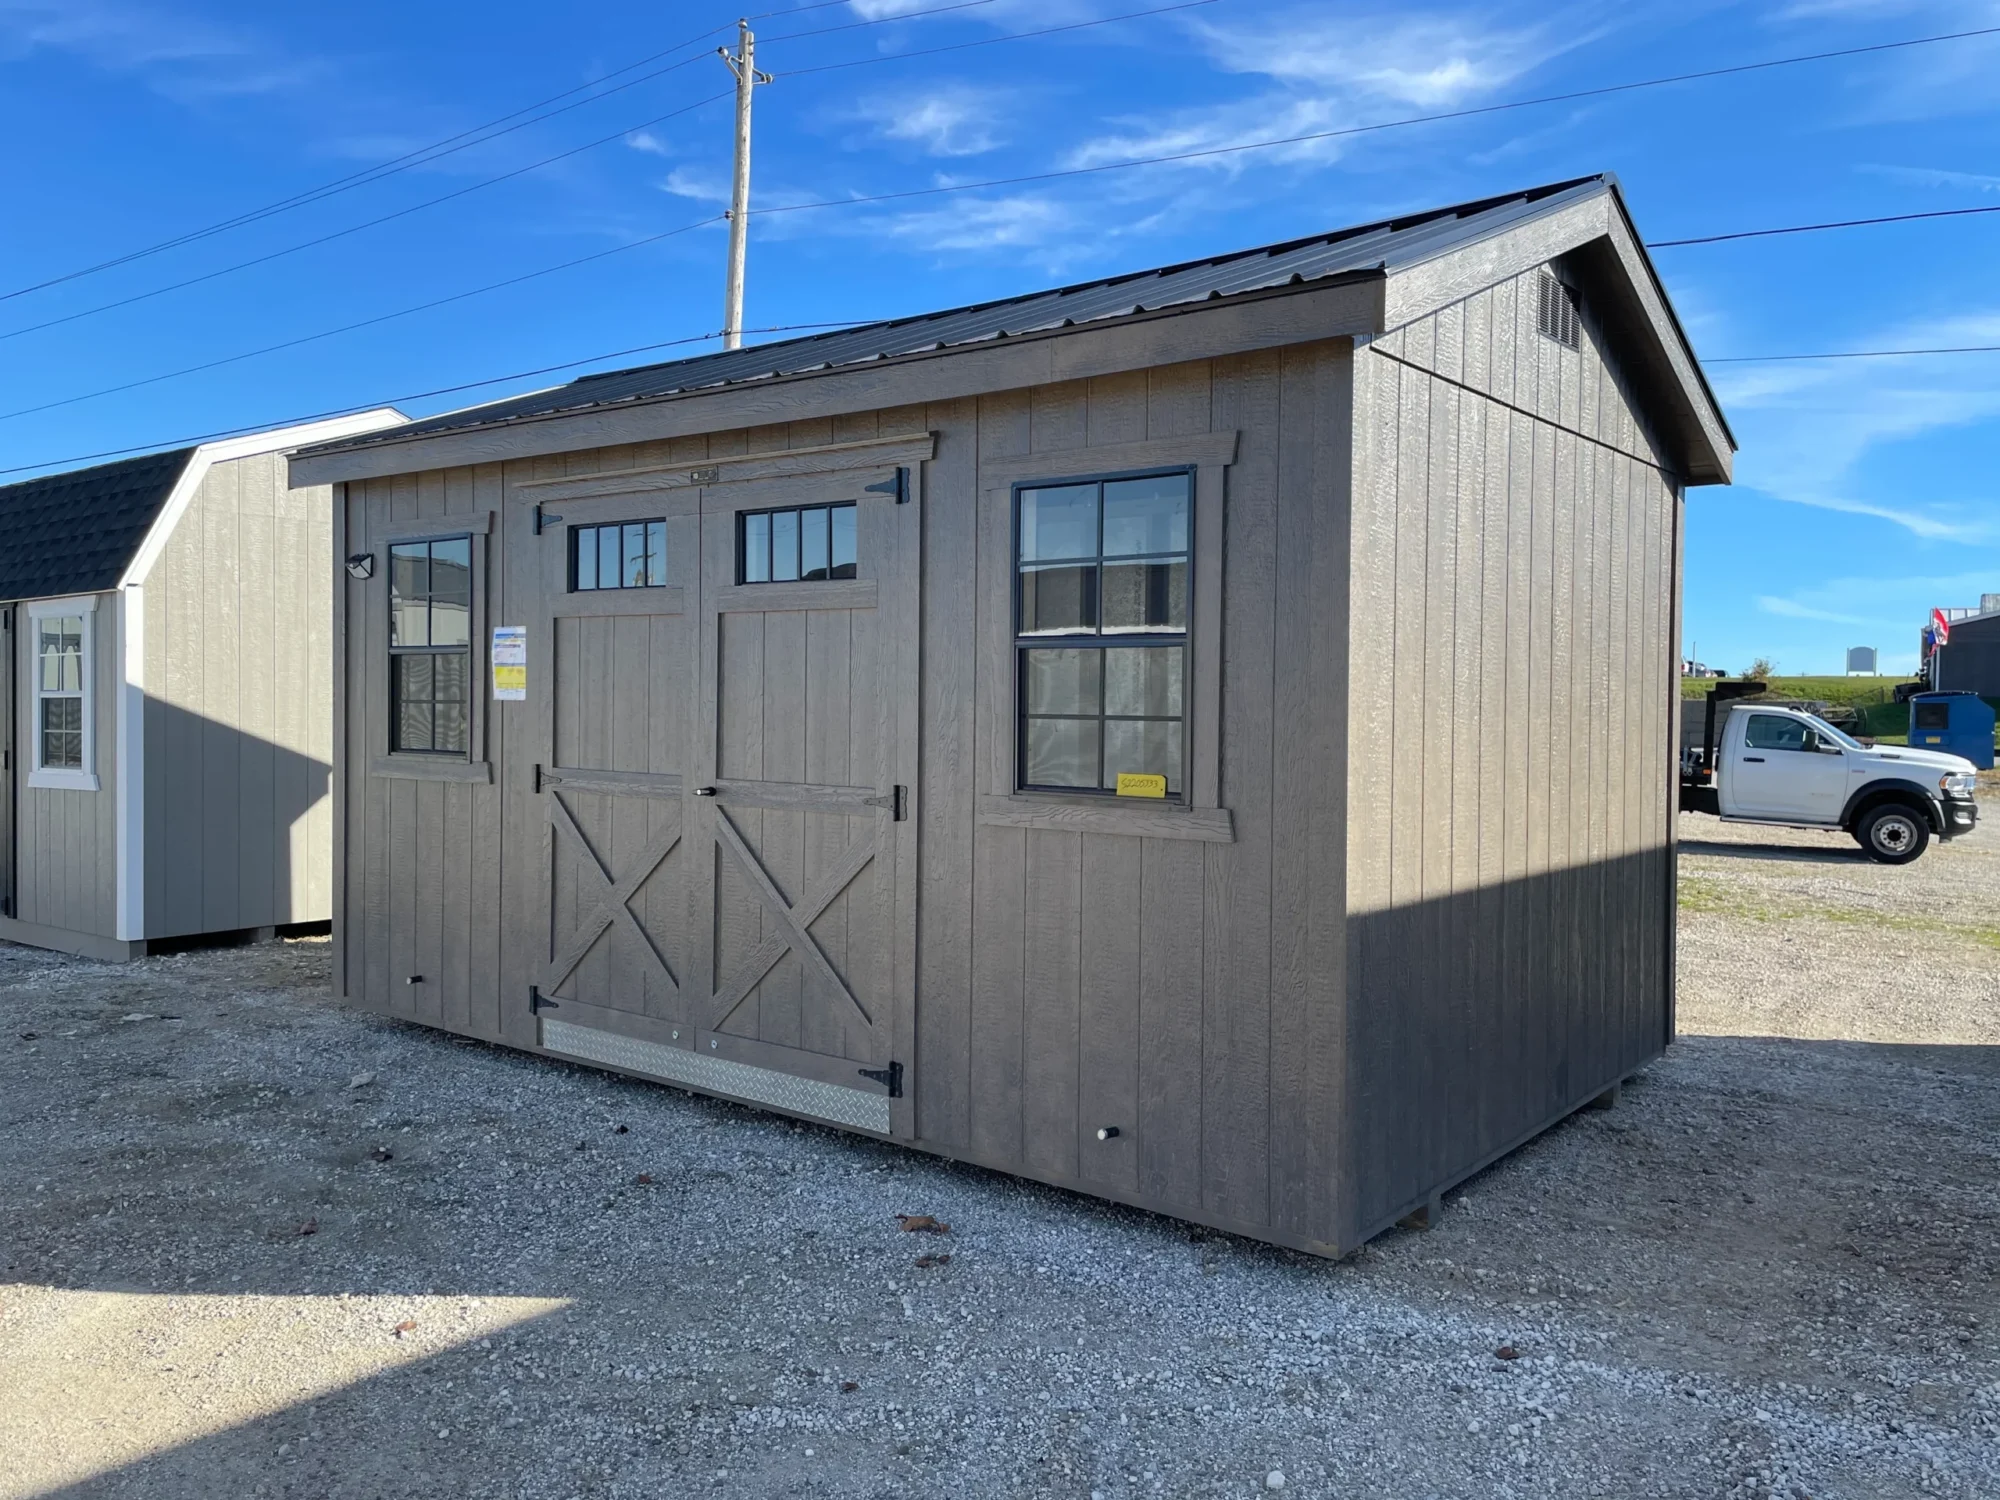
{"x":1202,"y":738}
{"x":165,"y":640}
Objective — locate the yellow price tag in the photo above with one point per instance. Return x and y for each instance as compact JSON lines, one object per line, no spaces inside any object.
{"x":1139,"y":784}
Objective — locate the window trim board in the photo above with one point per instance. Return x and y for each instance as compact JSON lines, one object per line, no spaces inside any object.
{"x":63,"y":778}
{"x":1209,"y":455}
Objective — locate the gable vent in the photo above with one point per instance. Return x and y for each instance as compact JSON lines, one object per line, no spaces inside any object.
{"x":1556,"y":314}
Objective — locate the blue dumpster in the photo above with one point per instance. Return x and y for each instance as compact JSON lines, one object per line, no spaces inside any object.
{"x":1956,"y":723}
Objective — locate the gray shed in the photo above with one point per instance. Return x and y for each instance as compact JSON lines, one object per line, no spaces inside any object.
{"x":1203,"y":738}
{"x":165,"y":641}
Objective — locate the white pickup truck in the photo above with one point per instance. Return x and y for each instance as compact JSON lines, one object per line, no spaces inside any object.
{"x":1790,"y":767}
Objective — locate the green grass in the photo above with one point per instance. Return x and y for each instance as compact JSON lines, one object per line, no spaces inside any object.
{"x":1712,"y":897}
{"x":1856,"y":690}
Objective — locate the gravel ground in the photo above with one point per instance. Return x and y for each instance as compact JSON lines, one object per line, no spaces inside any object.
{"x":254,"y":1244}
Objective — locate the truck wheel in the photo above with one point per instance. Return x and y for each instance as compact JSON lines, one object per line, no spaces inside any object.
{"x":1893,"y":834}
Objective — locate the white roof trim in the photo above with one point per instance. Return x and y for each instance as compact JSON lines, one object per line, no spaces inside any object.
{"x":208,"y":455}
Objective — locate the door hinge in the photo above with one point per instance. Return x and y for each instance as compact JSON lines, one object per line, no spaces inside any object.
{"x":538,"y":1002}
{"x":899,"y":486}
{"x":539,"y":779}
{"x":542,"y":519}
{"x":902,"y":804}
{"x":891,"y":1078}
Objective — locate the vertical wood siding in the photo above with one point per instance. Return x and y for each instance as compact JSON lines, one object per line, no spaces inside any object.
{"x":67,"y":850}
{"x":1064,"y":980}
{"x":1509,"y":859}
{"x":238,"y":705}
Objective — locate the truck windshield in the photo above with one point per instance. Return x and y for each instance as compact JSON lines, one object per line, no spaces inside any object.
{"x":1827,"y":731}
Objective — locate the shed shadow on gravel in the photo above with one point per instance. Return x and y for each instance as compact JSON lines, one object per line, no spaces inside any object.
{"x":1791,"y":854}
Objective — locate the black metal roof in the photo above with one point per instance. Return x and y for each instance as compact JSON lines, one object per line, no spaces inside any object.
{"x":76,"y":533}
{"x":1364,"y":249}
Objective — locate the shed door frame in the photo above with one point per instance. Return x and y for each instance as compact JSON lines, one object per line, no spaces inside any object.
{"x":888,"y":581}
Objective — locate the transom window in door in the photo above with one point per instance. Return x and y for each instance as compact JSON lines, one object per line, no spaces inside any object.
{"x":430,"y":641}
{"x":59,"y":679}
{"x":629,"y":555}
{"x":1101,"y":633}
{"x":801,"y":545}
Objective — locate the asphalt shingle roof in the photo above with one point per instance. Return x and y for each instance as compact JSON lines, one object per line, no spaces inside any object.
{"x":1360,"y":250}
{"x":76,"y":533}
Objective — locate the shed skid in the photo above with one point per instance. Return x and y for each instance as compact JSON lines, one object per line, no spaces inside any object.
{"x":1234,"y":781}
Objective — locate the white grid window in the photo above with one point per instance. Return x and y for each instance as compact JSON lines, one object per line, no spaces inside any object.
{"x":60,"y":637}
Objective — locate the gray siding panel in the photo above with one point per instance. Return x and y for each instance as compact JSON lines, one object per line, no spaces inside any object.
{"x":1509,"y":907}
{"x":67,"y":839}
{"x":238,"y":704}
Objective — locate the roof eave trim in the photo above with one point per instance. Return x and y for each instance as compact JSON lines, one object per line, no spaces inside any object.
{"x":322,"y":461}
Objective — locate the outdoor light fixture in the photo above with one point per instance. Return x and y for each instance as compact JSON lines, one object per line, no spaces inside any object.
{"x":361,"y":565}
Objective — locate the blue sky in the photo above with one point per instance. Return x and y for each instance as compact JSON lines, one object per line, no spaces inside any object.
{"x":1867,"y":488}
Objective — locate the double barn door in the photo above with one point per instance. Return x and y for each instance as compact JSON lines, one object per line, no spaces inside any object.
{"x":730,"y":881}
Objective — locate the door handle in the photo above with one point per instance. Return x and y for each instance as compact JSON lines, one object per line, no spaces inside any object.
{"x":1747,"y":759}
{"x":704,"y":791}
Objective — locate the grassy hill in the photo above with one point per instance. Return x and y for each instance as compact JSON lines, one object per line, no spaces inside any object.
{"x":1859,"y":691}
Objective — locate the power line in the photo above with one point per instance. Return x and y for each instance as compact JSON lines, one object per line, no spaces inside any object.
{"x":1772,"y":359}
{"x":445,"y":390}
{"x":1758,"y":234}
{"x":1353,"y":130}
{"x":559,"y":156}
{"x":476,"y":135}
{"x":1035,"y":177}
{"x":472,"y":385}
{"x":388,"y":317}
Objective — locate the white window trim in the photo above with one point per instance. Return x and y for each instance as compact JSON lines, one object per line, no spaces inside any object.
{"x":63,"y":778}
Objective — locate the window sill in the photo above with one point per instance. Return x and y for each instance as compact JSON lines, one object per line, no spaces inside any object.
{"x":68,"y":781}
{"x":1135,"y":817}
{"x":431,"y":768}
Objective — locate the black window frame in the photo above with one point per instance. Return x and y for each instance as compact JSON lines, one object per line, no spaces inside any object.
{"x":1181,"y":641}
{"x":832,"y":575}
{"x":593,"y":530}
{"x":400,"y":652}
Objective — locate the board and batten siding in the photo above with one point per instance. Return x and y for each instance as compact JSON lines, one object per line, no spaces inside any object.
{"x":66,"y":854}
{"x":1183,"y":989}
{"x":238,"y":707}
{"x":1510,"y":847}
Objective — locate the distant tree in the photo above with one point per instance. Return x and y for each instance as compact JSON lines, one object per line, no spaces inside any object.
{"x":1763,"y":669}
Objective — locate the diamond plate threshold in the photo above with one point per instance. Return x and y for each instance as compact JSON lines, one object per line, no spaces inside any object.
{"x":857,"y":1108}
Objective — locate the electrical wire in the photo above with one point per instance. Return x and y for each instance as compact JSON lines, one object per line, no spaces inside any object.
{"x":1104,"y":167}
{"x":773,"y":329}
{"x":551,"y":160}
{"x":1772,"y":359}
{"x":1758,"y":234}
{"x":388,"y":317}
{"x":477,"y":135}
{"x":1353,"y":130}
{"x":445,"y":390}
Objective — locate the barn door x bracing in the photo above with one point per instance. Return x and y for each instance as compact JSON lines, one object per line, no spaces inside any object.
{"x":777,"y":848}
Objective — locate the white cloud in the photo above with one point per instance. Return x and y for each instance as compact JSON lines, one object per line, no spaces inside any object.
{"x":1793,"y":610}
{"x":703,"y":187}
{"x":956,"y":120}
{"x":183,"y":58}
{"x":646,"y":141}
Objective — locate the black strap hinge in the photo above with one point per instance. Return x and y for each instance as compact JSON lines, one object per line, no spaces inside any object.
{"x":899,"y":486}
{"x":543,"y":520}
{"x":902,"y":804}
{"x":538,"y":1002}
{"x":891,"y":1078}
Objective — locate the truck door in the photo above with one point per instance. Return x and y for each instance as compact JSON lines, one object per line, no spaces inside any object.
{"x":1781,"y":772}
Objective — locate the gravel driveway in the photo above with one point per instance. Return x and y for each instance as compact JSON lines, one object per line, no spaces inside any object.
{"x":253,"y":1244}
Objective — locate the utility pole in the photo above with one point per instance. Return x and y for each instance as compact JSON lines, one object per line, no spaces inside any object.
{"x":744,"y":66}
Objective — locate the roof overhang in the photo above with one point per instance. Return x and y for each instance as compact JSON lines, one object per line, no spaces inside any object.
{"x":1625,"y":295}
{"x":1334,"y":307}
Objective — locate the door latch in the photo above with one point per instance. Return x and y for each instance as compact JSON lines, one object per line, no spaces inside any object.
{"x":891,"y":1078}
{"x":704,"y":791}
